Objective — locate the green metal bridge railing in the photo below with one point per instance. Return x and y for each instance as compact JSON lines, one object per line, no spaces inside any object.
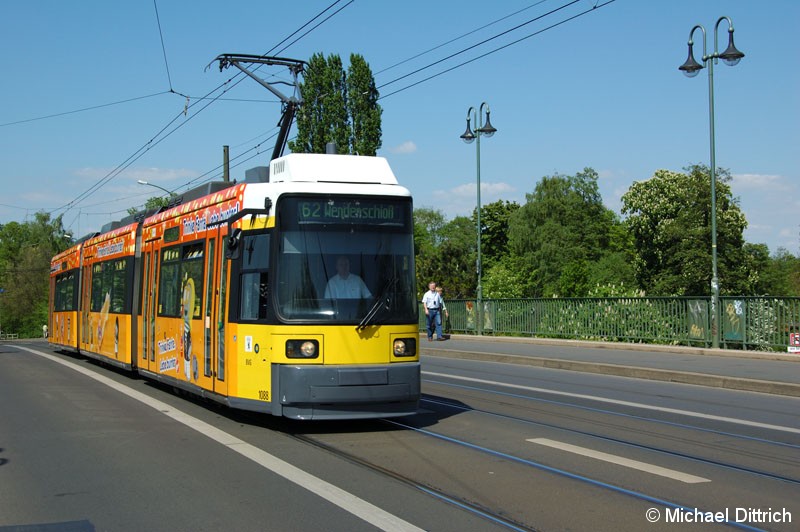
{"x":750,"y":323}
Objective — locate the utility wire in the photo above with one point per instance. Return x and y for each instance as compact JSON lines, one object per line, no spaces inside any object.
{"x":295,"y":32}
{"x":479,"y":44}
{"x":156,"y":140}
{"x":259,"y":66}
{"x":83,"y":109}
{"x":318,"y":25}
{"x":153,"y":142}
{"x":459,"y":37}
{"x":163,"y":48}
{"x":14,"y":207}
{"x":139,"y":152}
{"x":596,"y":6}
{"x":397,"y":79}
{"x":216,"y":168}
{"x":169,"y":78}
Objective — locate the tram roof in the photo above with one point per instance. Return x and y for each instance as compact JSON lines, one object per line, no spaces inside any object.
{"x":327,"y":168}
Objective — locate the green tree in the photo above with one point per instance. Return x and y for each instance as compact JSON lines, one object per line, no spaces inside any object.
{"x":363,"y":108}
{"x":338,"y":107}
{"x":500,"y":278}
{"x":561,"y":234}
{"x":776,"y":275}
{"x":310,"y":132}
{"x":494,"y":231}
{"x":669,"y":220}
{"x":428,"y":236}
{"x":25,"y":253}
{"x":334,"y":109}
{"x":456,"y":258}
{"x":152,"y":203}
{"x":503,"y":279}
{"x":445,"y":252}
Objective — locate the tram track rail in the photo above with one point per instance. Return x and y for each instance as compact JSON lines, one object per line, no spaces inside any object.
{"x":444,"y":407}
{"x":494,"y":516}
{"x":651,"y":448}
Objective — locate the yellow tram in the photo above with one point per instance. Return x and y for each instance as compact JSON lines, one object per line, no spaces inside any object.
{"x":292,"y":293}
{"x":63,"y":301}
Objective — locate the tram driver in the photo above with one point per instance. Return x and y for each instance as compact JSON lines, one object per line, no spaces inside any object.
{"x":346,"y":285}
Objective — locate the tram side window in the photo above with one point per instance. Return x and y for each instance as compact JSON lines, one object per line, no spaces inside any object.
{"x":97,"y":287}
{"x":110,"y":286}
{"x":181,"y":280}
{"x":65,"y":292}
{"x":119,"y":286}
{"x":58,"y":296}
{"x":168,"y":292}
{"x":192,"y":278}
{"x":69,"y":291}
{"x":255,"y":277}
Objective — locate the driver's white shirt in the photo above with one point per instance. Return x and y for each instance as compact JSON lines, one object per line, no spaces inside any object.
{"x":350,"y":288}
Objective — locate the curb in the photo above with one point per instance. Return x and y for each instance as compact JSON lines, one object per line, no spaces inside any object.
{"x":683,"y":377}
{"x":625,"y":346}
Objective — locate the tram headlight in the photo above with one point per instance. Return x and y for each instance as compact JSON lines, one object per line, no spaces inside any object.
{"x":302,"y":349}
{"x":404,"y":347}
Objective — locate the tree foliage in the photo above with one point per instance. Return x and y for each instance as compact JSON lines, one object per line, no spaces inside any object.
{"x":494,"y":231}
{"x":364,"y":111}
{"x":776,"y":275}
{"x":565,"y":242}
{"x":338,"y":107}
{"x":670,"y":223}
{"x":564,"y":238}
{"x":25,"y":253}
{"x":153,"y":203}
{"x":445,"y":252}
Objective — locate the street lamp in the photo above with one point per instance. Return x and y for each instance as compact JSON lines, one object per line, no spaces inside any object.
{"x":143,"y":182}
{"x":486,"y":130}
{"x":731,"y":56}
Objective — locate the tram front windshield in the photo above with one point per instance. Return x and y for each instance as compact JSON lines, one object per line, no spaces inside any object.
{"x":344,"y":260}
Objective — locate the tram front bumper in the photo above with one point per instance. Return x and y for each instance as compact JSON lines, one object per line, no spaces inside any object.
{"x":338,"y":392}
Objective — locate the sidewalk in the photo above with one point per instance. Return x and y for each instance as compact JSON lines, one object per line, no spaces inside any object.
{"x":774,"y":373}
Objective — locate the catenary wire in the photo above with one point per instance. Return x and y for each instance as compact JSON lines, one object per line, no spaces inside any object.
{"x":397,"y":79}
{"x":153,"y":142}
{"x":163,"y":48}
{"x":596,"y":6}
{"x":454,"y":39}
{"x":255,"y":69}
{"x":564,"y":6}
{"x":100,"y":106}
{"x":215,"y":169}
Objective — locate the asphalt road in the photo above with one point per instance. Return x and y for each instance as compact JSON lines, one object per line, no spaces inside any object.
{"x":495,"y":446}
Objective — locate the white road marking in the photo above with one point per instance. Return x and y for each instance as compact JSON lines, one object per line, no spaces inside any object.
{"x":370,"y":513}
{"x":623,"y":403}
{"x":619,"y":460}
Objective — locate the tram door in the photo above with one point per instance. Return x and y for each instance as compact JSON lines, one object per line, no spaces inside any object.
{"x":214,"y":315}
{"x":149,"y":284}
{"x":85,"y":329}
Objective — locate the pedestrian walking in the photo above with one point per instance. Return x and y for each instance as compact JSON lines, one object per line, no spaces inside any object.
{"x":432,"y":304}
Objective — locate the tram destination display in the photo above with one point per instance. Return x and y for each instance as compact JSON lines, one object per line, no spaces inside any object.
{"x":351,"y":212}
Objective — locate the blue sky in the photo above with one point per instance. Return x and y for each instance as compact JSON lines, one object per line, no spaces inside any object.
{"x":600,"y":91}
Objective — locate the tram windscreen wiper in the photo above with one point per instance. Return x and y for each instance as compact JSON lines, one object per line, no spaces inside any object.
{"x":382,"y":299}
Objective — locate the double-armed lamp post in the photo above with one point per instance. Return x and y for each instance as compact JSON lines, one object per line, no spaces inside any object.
{"x":487,"y":130}
{"x":731,"y":56}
